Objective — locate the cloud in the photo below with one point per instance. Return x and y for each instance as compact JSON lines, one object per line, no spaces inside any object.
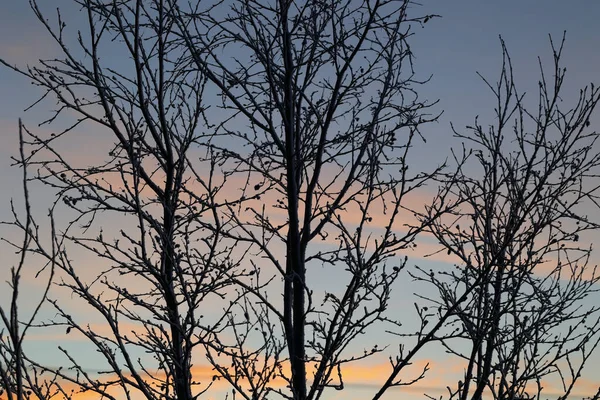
{"x":358,"y":377}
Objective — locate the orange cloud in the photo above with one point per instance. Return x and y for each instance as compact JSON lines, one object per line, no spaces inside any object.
{"x":368,"y":375}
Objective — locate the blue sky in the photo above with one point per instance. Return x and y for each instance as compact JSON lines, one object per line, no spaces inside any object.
{"x":465,"y":40}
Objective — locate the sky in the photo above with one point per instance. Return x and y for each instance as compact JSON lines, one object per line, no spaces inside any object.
{"x":453,"y":48}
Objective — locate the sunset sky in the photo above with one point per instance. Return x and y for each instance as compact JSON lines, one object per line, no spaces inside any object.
{"x":452,"y":49}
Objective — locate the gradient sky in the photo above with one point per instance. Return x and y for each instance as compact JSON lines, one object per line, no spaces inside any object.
{"x":452,"y":48}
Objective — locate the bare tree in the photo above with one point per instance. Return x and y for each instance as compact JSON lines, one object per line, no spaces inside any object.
{"x":157,"y":268}
{"x":321,"y":100}
{"x":314,"y":114}
{"x":525,"y":195}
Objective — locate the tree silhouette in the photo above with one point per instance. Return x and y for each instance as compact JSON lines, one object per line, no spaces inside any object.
{"x":525,"y":197}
